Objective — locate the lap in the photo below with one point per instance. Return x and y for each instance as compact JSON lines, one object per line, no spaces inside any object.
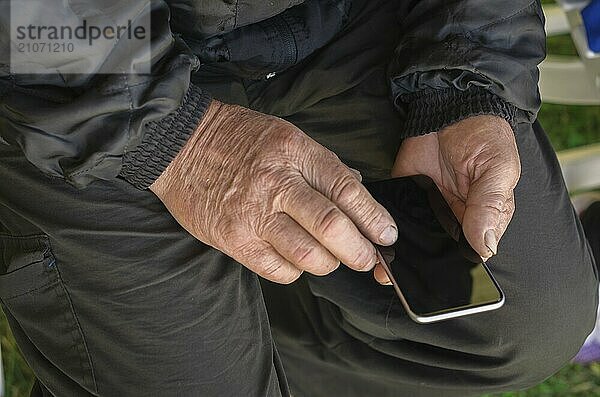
{"x":356,"y":330}
{"x":353,"y":329}
{"x":148,"y":308}
{"x":350,"y":335}
{"x":125,"y":302}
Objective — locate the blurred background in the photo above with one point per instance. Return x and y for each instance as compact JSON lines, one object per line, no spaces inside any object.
{"x":570,"y":127}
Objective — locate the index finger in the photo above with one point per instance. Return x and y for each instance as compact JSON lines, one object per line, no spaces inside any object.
{"x":329,"y":225}
{"x":333,"y":179}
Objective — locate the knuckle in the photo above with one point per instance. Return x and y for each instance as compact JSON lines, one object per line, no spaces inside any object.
{"x":272,"y":268}
{"x":332,"y":223}
{"x":328,"y":155}
{"x":269,"y":225}
{"x":249,"y":251}
{"x":496,"y":201}
{"x":333,"y":155}
{"x":346,"y":190}
{"x":310,"y":259}
{"x":492,"y":211}
{"x":276,"y":182}
{"x":497,"y":204}
{"x":510,"y":205}
{"x":277,"y":271}
{"x":372,"y":219}
{"x":226,"y":230}
{"x":290,"y":138}
{"x":304,"y":256}
{"x":289,"y":192}
{"x":362,"y":259}
{"x":506,"y":215}
{"x":267,"y":174}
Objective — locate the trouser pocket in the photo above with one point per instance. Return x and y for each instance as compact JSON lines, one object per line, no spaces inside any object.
{"x":37,"y":303}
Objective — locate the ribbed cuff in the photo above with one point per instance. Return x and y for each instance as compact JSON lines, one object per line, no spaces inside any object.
{"x":163,"y":139}
{"x":432,"y":110}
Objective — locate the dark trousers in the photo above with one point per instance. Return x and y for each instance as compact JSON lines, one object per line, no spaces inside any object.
{"x":107,"y":295}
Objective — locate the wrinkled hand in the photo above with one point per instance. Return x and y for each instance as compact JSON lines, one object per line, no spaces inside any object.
{"x":476,"y":166}
{"x":260,"y":190}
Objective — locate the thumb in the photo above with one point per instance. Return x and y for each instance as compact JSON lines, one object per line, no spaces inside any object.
{"x":488,"y":211}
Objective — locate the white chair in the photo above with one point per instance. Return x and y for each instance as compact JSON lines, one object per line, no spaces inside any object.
{"x":564,"y":79}
{"x":571,"y":80}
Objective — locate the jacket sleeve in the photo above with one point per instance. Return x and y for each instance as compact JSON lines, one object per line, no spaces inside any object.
{"x":461,"y":58}
{"x":86,"y":127}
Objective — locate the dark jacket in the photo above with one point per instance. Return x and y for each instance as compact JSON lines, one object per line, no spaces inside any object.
{"x":455,"y":58}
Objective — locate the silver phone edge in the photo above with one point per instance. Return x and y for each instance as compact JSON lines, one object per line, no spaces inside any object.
{"x":443,"y":316}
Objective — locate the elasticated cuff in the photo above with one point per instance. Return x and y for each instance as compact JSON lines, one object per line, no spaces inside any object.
{"x":163,"y":139}
{"x":432,"y":110}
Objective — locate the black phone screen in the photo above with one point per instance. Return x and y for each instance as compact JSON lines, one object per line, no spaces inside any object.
{"x":435,"y":268}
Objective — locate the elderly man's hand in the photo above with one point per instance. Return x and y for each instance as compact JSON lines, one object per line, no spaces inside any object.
{"x":476,"y":166}
{"x":260,"y":190}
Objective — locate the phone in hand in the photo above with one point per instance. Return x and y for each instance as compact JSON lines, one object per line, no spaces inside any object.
{"x":433,"y":269}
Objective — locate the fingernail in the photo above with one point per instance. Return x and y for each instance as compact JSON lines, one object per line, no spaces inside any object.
{"x":389,"y":235}
{"x":385,"y":280}
{"x":490,"y":241}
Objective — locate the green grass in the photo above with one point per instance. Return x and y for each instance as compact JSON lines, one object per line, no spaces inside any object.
{"x":573,"y":380}
{"x":568,"y":127}
{"x":571,"y":126}
{"x":18,"y":376}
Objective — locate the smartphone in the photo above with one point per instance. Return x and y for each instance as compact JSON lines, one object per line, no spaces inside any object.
{"x":433,"y":269}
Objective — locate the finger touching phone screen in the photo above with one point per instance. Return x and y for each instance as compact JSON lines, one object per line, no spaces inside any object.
{"x":434,"y":271}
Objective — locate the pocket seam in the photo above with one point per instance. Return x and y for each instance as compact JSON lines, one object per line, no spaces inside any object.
{"x":85,"y":355}
{"x":27,"y":265}
{"x":42,"y":242}
{"x":29,"y":291}
{"x":61,"y":298}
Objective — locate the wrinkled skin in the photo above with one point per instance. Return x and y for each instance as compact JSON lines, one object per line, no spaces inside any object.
{"x":260,"y":190}
{"x":475,"y":163}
